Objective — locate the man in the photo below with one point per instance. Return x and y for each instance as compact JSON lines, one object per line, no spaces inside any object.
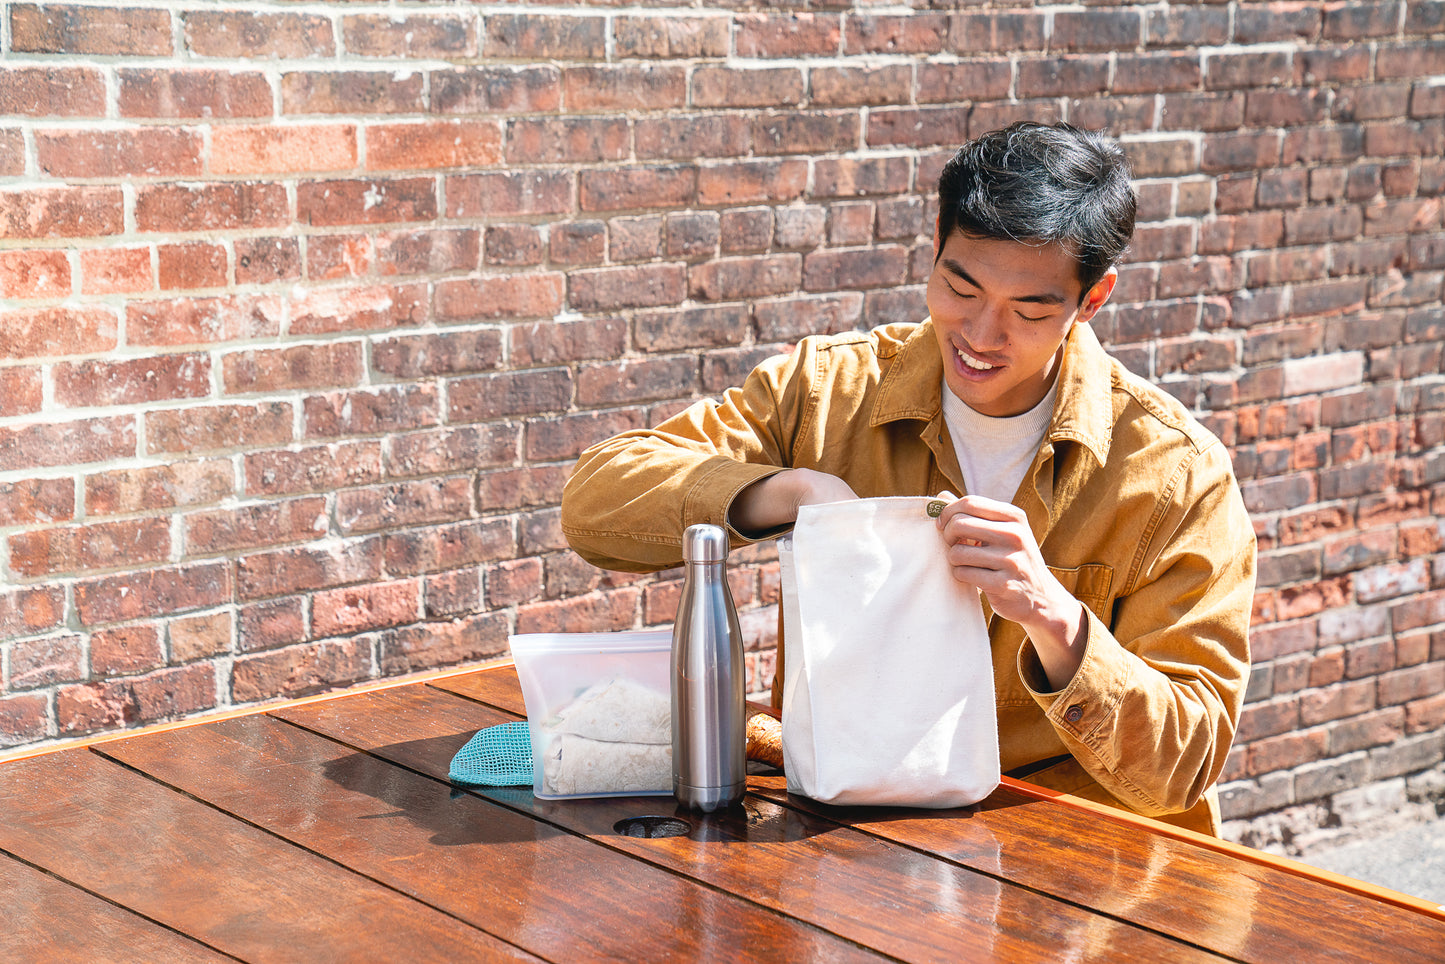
{"x":1102,"y":523}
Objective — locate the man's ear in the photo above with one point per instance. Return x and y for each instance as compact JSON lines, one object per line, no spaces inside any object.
{"x":1098,"y":294}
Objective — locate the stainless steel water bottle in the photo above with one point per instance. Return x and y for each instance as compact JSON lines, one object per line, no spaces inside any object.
{"x":709,"y":752}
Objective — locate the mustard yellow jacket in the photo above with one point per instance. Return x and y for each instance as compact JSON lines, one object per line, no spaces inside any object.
{"x":1133,"y":503}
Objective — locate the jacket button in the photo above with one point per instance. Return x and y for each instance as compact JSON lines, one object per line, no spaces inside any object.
{"x":1074,"y":713}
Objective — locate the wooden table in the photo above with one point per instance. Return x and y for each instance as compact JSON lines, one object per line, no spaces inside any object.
{"x":327,"y":831}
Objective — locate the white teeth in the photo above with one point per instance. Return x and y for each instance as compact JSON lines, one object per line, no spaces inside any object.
{"x":974,"y":363}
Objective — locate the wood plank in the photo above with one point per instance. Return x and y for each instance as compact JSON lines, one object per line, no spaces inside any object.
{"x":48,"y":920}
{"x":1239,"y":909}
{"x":190,"y":868}
{"x":863,"y":888}
{"x":526,"y":882}
{"x":1236,"y":907}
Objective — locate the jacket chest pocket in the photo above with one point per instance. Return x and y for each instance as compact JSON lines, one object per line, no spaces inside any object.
{"x":1090,"y":584}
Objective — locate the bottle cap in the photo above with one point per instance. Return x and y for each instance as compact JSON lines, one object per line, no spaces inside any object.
{"x":704,"y":543}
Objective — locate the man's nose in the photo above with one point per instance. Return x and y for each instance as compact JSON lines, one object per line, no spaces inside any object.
{"x":989,"y":329}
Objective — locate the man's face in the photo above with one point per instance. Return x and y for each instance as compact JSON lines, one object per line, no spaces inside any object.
{"x":1001,"y":311}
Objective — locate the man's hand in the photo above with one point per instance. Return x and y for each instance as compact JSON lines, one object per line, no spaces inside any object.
{"x":991,"y":546}
{"x":775,"y":500}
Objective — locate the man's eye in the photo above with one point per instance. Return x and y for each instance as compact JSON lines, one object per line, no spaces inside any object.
{"x":1027,"y":318}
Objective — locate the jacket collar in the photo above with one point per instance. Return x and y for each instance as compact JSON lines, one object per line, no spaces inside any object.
{"x":1083,"y":413}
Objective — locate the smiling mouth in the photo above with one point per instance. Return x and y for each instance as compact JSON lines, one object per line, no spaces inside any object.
{"x":974,"y":363}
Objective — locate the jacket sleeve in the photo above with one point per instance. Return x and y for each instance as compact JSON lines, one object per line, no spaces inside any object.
{"x":630,"y":498}
{"x":1153,"y":708}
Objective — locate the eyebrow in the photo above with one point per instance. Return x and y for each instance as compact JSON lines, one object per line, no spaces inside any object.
{"x":1046,"y":298}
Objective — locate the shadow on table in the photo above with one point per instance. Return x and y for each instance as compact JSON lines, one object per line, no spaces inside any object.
{"x":455,"y":816}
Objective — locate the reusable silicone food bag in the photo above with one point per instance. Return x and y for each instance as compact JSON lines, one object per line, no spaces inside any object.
{"x":598,"y":711}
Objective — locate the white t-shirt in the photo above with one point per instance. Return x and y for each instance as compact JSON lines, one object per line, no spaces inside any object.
{"x":995,"y":453}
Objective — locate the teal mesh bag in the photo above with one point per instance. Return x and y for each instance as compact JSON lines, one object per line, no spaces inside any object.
{"x":497,"y":756}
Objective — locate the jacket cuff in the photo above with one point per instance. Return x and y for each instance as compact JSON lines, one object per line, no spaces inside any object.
{"x":1086,"y":707}
{"x":711,"y":498}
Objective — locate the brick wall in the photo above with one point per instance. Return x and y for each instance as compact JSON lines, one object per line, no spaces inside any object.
{"x":306,"y":309}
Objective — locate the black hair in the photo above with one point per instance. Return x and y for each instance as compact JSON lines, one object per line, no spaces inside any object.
{"x":1042,"y":184}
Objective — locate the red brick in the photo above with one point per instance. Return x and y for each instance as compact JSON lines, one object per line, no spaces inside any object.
{"x":12,"y":152}
{"x":266,"y":524}
{"x":61,"y":212}
{"x":328,"y":365}
{"x":271,"y":624}
{"x":46,"y":661}
{"x":595,"y":612}
{"x":173,"y":485}
{"x":433,"y":145}
{"x":544,"y":37}
{"x":978,"y":33}
{"x":371,"y":412}
{"x":181,"y":92}
{"x":514,"y":581}
{"x":333,"y":203}
{"x":791,"y":318}
{"x":509,"y":194}
{"x":137,"y":152}
{"x":52,"y":92}
{"x":690,"y":136}
{"x":267,"y":260}
{"x":195,"y":430}
{"x":332,"y":257}
{"x":452,"y":593}
{"x":670,"y":37}
{"x":410,"y":35}
{"x":284,"y":572}
{"x":318,"y":468}
{"x":1286,"y":751}
{"x":705,"y":327}
{"x":299,"y":670}
{"x":21,"y":391}
{"x":200,"y":637}
{"x":74,"y":29}
{"x":878,"y":266}
{"x":1412,"y":683}
{"x":196,"y":264}
{"x":57,"y":332}
{"x":355,"y":609}
{"x":487,"y":397}
{"x":563,"y":140}
{"x":29,"y":612}
{"x":519,"y":88}
{"x":133,"y":381}
{"x":102,"y":545}
{"x":166,"y":694}
{"x":452,"y":450}
{"x":750,"y":230}
{"x":577,"y":242}
{"x":553,"y":439}
{"x":167,"y":208}
{"x":637,"y":187}
{"x":152,"y":592}
{"x":253,"y":149}
{"x":504,"y":297}
{"x":514,"y":245}
{"x":443,"y":643}
{"x":427,"y":251}
{"x":788,"y":35}
{"x":632,"y":380}
{"x":34,"y":274}
{"x":106,"y":271}
{"x":32,"y":501}
{"x":353,"y":92}
{"x":403,"y":504}
{"x":370,"y":308}
{"x":36,"y":445}
{"x":242,"y":34}
{"x":126,"y":650}
{"x":751,"y":182}
{"x":768,"y":87}
{"x":449,"y":547}
{"x":804,"y":133}
{"x":527,"y":487}
{"x":639,"y":286}
{"x":624,"y":87}
{"x":917,"y":33}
